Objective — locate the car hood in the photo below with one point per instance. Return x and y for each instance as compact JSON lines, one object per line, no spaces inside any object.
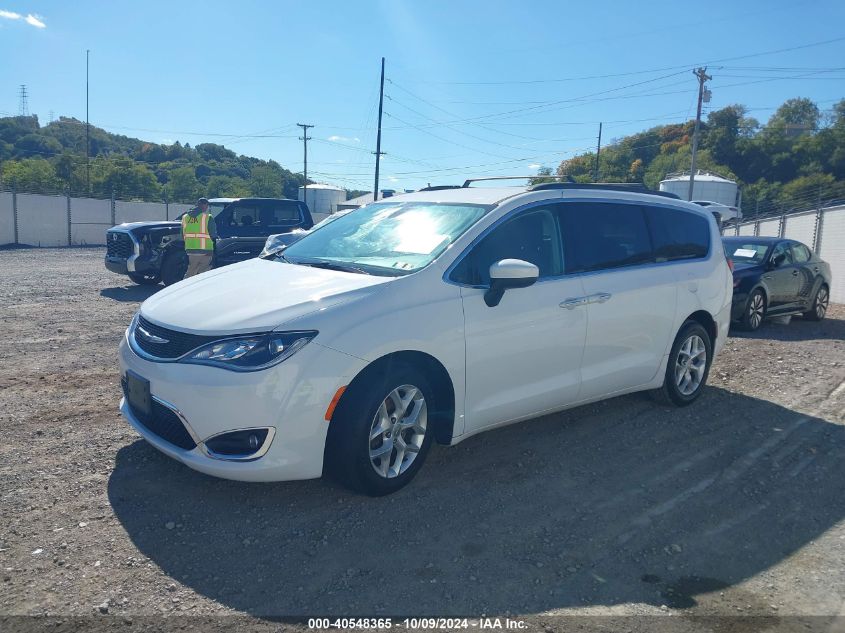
{"x":131,"y":226}
{"x":253,"y":296}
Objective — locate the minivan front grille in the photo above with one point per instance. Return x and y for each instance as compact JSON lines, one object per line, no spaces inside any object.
{"x":119,"y":244}
{"x":173,"y":344}
{"x":163,"y":422}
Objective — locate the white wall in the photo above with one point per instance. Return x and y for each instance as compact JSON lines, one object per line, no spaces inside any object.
{"x":832,"y":250}
{"x":801,"y":227}
{"x":90,"y":219}
{"x":42,"y":220}
{"x":769,"y":228}
{"x":7,"y":219}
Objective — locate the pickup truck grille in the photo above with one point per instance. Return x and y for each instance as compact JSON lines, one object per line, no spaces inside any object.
{"x":119,"y":244}
{"x":178,"y":343}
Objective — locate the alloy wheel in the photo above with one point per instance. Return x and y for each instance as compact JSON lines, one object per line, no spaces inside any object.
{"x":398,"y":431}
{"x":756,"y":308}
{"x":822,"y":300}
{"x":690,"y":365}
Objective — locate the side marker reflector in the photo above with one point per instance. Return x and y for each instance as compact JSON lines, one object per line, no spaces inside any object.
{"x":333,"y":403}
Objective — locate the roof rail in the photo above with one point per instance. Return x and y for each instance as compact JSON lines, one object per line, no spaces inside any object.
{"x":440,"y":187}
{"x":468,"y":182}
{"x":613,"y":186}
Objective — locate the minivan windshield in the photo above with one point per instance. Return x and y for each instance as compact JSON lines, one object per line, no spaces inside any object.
{"x":386,"y":238}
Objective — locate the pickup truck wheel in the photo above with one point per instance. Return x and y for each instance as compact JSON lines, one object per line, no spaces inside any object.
{"x":174,"y":267}
{"x":145,"y":279}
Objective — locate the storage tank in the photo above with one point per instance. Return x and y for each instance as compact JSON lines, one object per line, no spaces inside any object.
{"x":707,"y":186}
{"x":322,"y":199}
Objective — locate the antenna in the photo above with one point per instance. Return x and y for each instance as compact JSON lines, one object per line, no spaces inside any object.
{"x":23,"y":108}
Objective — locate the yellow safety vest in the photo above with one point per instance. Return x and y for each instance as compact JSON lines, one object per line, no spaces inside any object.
{"x":195,"y":232}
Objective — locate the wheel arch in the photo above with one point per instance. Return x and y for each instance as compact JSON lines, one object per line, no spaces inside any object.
{"x":441,"y":382}
{"x":706,"y":320}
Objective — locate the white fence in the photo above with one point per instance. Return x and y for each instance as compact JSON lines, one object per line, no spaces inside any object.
{"x":41,"y":220}
{"x":822,"y":230}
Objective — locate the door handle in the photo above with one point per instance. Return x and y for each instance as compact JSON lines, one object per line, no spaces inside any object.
{"x":599,"y":297}
{"x":573,"y":302}
{"x":767,"y":276}
{"x":794,"y":273}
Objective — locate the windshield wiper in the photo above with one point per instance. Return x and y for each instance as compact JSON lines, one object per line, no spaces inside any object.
{"x":346,"y":268}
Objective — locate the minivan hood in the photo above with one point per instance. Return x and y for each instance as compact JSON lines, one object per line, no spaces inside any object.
{"x":253,"y":296}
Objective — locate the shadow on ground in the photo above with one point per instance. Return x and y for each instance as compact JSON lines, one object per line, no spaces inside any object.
{"x":798,"y":329}
{"x":619,"y":502}
{"x":130,"y":293}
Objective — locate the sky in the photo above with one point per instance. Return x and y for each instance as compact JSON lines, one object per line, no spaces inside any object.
{"x":472,"y":88}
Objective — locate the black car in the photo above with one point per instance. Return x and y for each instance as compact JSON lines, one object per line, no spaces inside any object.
{"x":149,"y":252}
{"x":776,"y":277}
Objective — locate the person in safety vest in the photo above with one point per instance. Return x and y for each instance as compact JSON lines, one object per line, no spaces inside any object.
{"x":199,"y":233}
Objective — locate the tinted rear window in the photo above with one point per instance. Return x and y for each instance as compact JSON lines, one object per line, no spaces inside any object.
{"x":603,"y":235}
{"x":678,"y":234}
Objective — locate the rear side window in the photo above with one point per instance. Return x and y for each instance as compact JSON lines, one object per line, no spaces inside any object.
{"x":280,"y":214}
{"x":604,"y":235}
{"x":800,"y":253}
{"x":678,"y":234}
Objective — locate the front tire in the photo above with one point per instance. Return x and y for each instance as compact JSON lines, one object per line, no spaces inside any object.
{"x":688,"y":366}
{"x":174,"y":266}
{"x":755,"y":311}
{"x":145,"y":279}
{"x":381,"y":432}
{"x":818,"y":309}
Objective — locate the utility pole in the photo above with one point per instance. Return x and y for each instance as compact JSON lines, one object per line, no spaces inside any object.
{"x":378,"y":151}
{"x":87,"y":131}
{"x":702,"y":75}
{"x":305,"y":138}
{"x":598,"y":153}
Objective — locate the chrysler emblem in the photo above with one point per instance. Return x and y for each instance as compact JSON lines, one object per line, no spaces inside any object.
{"x":150,"y":338}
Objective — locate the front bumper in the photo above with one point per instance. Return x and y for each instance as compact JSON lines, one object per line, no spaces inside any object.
{"x":291,"y":398}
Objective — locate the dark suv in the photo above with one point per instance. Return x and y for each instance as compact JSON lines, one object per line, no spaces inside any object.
{"x":150,"y":252}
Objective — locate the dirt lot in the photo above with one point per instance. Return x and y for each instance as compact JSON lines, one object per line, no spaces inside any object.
{"x":733,"y":506}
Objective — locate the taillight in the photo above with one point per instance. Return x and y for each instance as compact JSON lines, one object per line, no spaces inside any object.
{"x":731,"y":264}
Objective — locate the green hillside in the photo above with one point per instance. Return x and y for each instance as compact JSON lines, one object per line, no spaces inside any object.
{"x":51,"y":158}
{"x":793,"y":161}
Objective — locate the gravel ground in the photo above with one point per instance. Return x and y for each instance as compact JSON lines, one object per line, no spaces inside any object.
{"x":731,"y":507}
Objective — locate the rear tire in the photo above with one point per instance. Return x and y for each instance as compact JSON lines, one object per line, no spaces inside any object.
{"x":688,"y":366}
{"x":381,"y":432}
{"x":755,"y":311}
{"x":174,"y":266}
{"x":818,"y":309}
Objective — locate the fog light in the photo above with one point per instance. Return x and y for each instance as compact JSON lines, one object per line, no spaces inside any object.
{"x":243,"y":444}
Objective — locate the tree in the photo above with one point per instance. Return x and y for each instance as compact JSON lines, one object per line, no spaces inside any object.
{"x":183,"y":185}
{"x":31,"y":174}
{"x":265,"y":182}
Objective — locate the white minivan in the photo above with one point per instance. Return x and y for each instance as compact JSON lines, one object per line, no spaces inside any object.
{"x":426,"y":317}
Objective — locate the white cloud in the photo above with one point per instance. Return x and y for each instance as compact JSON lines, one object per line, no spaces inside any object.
{"x":31,"y":19}
{"x":534,"y":166}
{"x":334,"y":138}
{"x":35,"y":20}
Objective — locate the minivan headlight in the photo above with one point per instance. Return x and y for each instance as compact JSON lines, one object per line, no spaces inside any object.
{"x":251,"y":352}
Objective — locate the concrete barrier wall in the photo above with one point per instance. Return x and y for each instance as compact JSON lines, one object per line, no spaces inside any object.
{"x":42,"y":220}
{"x":802,"y":228}
{"x":90,"y":219}
{"x":138,"y":211}
{"x":832,"y":250}
{"x":7,"y":219}
{"x":769,"y":228}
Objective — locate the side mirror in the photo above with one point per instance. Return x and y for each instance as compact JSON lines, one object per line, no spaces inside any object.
{"x":506,"y":274}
